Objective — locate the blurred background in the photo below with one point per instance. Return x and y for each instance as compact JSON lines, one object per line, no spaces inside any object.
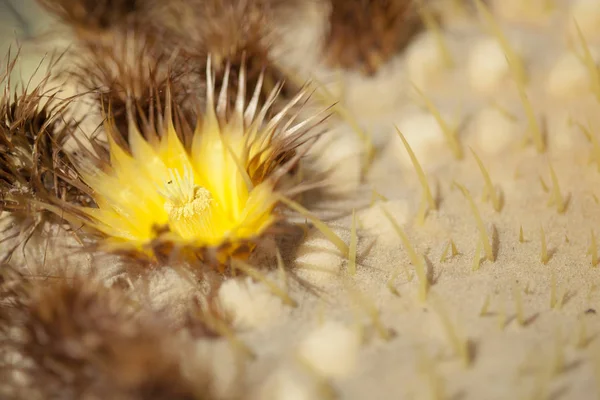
{"x":23,"y":23}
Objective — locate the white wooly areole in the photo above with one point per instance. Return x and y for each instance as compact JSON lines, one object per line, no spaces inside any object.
{"x":331,"y":349}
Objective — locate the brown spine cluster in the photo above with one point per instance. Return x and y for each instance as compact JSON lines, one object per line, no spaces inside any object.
{"x":34,"y":166}
{"x":92,"y":18}
{"x":130,"y":53}
{"x":77,"y":339}
{"x":129,"y":79}
{"x":364,"y":34}
{"x":233,"y":32}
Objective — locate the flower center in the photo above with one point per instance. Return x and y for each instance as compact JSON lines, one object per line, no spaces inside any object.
{"x":187,"y":205}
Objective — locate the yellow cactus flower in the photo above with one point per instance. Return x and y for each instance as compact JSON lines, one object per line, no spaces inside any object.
{"x":213,"y":198}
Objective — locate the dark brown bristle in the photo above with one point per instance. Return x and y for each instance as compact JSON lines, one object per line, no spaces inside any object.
{"x":364,"y":34}
{"x":34,"y":166}
{"x":128,"y":79}
{"x":232,"y":32}
{"x":32,"y":135}
{"x":94,"y":17}
{"x":77,"y":339}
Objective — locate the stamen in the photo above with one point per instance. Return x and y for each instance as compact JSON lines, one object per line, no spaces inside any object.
{"x":187,"y":205}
